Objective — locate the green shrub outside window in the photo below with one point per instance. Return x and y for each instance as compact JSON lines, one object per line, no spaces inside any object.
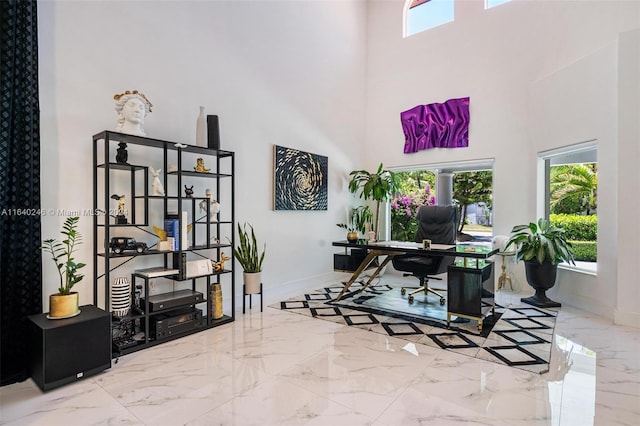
{"x":581,"y":232}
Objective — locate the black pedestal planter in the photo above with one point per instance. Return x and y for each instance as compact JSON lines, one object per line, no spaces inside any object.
{"x":540,"y":276}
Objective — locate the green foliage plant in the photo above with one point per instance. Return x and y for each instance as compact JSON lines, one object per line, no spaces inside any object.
{"x":358,"y":219}
{"x":586,"y":251}
{"x":378,"y":186}
{"x":576,"y":226}
{"x":247,"y":251}
{"x":404,"y":208}
{"x":62,"y":255}
{"x":541,"y":242}
{"x":574,"y":186}
{"x":469,"y":188}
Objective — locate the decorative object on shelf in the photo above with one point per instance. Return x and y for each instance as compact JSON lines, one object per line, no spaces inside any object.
{"x":250,"y":259}
{"x":122,"y":156}
{"x":132,"y":107}
{"x":214,"y":206}
{"x":121,"y":218}
{"x":541,"y":247}
{"x":219,"y":265}
{"x":172,"y":168}
{"x":188,"y":191}
{"x":359,"y":218}
{"x":444,"y":125}
{"x":165,"y":243}
{"x":201,"y":129}
{"x":120,"y":297}
{"x":156,"y":186}
{"x":179,"y":145}
{"x":65,"y":303}
{"x":178,"y":235}
{"x":216,"y":301}
{"x":200,"y":167}
{"x":213,"y":132}
{"x":300,"y":180}
{"x":379,"y":186}
{"x":120,"y":244}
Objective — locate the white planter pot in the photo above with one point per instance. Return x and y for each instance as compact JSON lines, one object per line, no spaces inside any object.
{"x":252,"y":281}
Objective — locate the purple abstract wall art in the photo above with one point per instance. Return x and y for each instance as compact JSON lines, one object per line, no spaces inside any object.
{"x":444,"y":125}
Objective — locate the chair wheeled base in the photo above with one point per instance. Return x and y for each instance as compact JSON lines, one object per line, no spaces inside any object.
{"x":424,"y":286}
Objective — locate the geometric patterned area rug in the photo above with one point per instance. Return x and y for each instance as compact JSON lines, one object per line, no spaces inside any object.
{"x":518,"y":336}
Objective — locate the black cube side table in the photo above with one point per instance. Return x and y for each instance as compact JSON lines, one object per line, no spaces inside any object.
{"x":464,"y":291}
{"x":65,"y":350}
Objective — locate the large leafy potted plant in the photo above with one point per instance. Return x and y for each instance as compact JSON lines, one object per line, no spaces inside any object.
{"x":65,"y":303}
{"x":541,"y":247}
{"x":378,"y":186}
{"x":250,"y":258}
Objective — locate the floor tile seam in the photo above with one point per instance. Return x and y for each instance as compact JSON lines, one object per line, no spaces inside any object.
{"x":115,"y":399}
{"x":325,"y":397}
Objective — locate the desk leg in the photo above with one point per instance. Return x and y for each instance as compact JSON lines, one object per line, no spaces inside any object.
{"x":367,"y":260}
{"x":377,"y":271}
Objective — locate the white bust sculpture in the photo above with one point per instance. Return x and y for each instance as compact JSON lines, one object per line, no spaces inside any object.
{"x":214,"y":206}
{"x":132,"y":107}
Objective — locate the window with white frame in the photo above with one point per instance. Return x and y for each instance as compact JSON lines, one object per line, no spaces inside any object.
{"x":488,"y":4}
{"x":421,"y":15}
{"x":570,"y":198}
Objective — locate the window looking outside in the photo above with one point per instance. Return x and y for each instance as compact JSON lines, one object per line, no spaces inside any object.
{"x":492,"y":3}
{"x":471,"y":192}
{"x":571,"y":199}
{"x":421,"y":15}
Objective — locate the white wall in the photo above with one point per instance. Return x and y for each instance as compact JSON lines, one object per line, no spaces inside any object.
{"x":286,"y":73}
{"x":512,"y":61}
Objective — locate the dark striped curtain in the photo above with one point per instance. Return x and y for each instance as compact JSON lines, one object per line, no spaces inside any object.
{"x":20,"y":257}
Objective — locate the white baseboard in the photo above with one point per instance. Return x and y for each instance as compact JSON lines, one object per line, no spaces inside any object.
{"x":295,"y":288}
{"x":631,"y":319}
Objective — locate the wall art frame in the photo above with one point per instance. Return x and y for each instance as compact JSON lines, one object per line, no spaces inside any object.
{"x":300,"y":180}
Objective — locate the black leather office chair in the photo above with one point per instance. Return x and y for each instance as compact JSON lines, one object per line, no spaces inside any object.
{"x":438,"y":224}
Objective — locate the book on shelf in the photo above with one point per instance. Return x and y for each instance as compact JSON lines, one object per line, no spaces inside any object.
{"x":158,"y":271}
{"x":172,"y":227}
{"x":180,"y":263}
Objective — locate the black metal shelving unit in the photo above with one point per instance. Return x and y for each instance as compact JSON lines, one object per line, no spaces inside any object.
{"x":106,"y":262}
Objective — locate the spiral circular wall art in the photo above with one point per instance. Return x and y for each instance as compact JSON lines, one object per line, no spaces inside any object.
{"x":300,"y":180}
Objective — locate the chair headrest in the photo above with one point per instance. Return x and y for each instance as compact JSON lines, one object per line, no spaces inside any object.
{"x":437,"y":223}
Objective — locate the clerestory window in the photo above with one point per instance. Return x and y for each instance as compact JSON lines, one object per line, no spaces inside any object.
{"x":422,"y":15}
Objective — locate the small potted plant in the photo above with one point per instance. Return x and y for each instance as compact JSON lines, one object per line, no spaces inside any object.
{"x":379,"y":186}
{"x":250,"y":258}
{"x":65,"y":303}
{"x":358,"y":220}
{"x":541,"y":247}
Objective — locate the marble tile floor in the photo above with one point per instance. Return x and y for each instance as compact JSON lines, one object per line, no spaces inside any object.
{"x":279,"y":368}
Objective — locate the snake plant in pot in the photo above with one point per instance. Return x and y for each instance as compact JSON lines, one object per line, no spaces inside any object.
{"x":250,"y":258}
{"x":65,"y":303}
{"x":541,"y":247}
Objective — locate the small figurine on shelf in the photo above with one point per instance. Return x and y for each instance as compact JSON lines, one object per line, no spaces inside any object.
{"x":188,"y":191}
{"x":121,"y":219}
{"x":132,"y":107}
{"x":156,"y":186}
{"x":200,"y":168}
{"x":214,"y":206}
{"x":219,"y":265}
{"x":122,"y":156}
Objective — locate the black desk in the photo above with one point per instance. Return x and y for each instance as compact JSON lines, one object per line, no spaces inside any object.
{"x":66,"y":350}
{"x":464,"y":281}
